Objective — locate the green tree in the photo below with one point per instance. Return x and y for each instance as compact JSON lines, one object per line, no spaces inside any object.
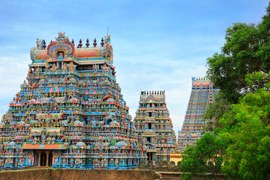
{"x":240,"y":149}
{"x":215,"y":111}
{"x":227,"y":70}
{"x":258,"y":80}
{"x":247,"y":135}
{"x":205,"y":157}
{"x":246,"y":50}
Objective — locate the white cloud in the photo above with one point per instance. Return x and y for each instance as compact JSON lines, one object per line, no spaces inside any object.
{"x":13,"y":71}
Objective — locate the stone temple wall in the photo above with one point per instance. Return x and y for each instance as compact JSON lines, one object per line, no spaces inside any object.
{"x":65,"y":174}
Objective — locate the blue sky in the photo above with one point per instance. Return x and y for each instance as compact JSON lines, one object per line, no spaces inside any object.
{"x":158,"y":45}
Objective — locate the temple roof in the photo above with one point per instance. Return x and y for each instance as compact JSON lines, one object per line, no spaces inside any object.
{"x":89,"y":52}
{"x":152,"y":96}
{"x":200,"y":81}
{"x":63,"y":49}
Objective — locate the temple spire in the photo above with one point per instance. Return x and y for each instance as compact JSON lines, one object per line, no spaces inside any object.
{"x":80,"y":44}
{"x":95,"y":43}
{"x":102,"y":42}
{"x":87,"y":43}
{"x":44,"y":44}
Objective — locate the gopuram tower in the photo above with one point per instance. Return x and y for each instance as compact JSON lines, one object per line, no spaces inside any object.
{"x":154,"y":125}
{"x":70,"y":112}
{"x":202,"y":94}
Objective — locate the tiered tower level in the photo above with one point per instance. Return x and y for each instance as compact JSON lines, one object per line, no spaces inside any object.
{"x":70,"y":112}
{"x":202,"y":94}
{"x":153,"y":123}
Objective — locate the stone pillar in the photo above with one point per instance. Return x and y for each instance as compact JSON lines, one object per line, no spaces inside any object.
{"x":39,"y":158}
{"x":47,"y":158}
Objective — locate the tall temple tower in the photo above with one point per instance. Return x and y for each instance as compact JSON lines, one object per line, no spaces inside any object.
{"x":202,"y":94}
{"x":153,"y":123}
{"x":70,"y":112}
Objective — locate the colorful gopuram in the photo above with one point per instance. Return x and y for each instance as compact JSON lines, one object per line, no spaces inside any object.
{"x":202,"y":94}
{"x":69,"y":112}
{"x":153,"y":124}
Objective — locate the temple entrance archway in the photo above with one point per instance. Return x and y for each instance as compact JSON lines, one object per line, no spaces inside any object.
{"x":150,"y":156}
{"x":44,"y":158}
{"x":50,"y":159}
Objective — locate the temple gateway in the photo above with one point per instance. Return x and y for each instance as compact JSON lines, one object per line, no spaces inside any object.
{"x":154,"y":125}
{"x":69,"y":112}
{"x":202,"y":95}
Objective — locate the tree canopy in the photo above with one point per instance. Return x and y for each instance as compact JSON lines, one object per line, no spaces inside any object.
{"x":246,"y":133}
{"x":246,"y":51}
{"x":204,"y":157}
